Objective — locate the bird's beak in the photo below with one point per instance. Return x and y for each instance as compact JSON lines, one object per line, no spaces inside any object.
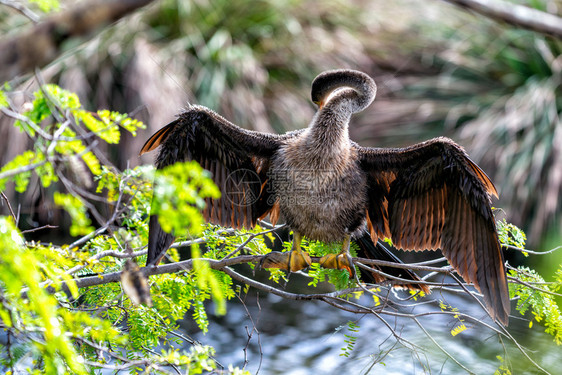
{"x":320,"y":104}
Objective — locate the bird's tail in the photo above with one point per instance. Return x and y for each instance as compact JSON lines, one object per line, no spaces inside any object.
{"x":158,"y":241}
{"x":367,"y":249}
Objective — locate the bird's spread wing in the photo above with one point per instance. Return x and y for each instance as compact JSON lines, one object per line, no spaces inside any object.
{"x":238,"y":160}
{"x":432,"y":196}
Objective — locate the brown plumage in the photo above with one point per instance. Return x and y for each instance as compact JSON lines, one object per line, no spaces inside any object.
{"x":426,"y":196}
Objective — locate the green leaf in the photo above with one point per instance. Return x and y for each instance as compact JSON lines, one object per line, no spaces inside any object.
{"x":77,"y":211}
{"x":47,"y":5}
{"x":108,"y":131}
{"x":21,"y":179}
{"x":74,"y":147}
{"x":38,"y":309}
{"x":3,"y":99}
{"x":64,"y":99}
{"x":123,"y":120}
{"x":179,"y":192}
{"x":543,"y":306}
{"x":46,"y":172}
{"x":510,"y":234}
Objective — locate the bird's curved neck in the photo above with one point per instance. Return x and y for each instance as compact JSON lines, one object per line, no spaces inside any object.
{"x":329,"y":130}
{"x":339,"y":93}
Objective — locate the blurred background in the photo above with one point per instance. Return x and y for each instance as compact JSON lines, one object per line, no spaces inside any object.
{"x":440,"y":70}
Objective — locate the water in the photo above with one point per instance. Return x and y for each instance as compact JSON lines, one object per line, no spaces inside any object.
{"x":307,"y":337}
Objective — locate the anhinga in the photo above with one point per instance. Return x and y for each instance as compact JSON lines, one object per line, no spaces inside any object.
{"x":328,"y":188}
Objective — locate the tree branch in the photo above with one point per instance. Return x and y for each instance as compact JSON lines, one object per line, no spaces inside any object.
{"x":531,"y":251}
{"x":518,"y":15}
{"x":21,"y":9}
{"x":440,"y":347}
{"x":187,"y":265}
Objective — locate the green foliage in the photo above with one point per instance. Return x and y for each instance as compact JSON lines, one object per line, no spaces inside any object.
{"x":339,"y":278}
{"x":350,"y":339}
{"x":27,"y":307}
{"x":19,"y":170}
{"x":538,"y":299}
{"x":47,"y":5}
{"x":55,"y":139}
{"x":19,"y":177}
{"x":179,"y":195}
{"x":106,"y":124}
{"x":77,"y":211}
{"x":461,"y":327}
{"x":109,"y":132}
{"x":48,"y":100}
{"x":65,"y":332}
{"x":510,"y":234}
{"x":3,"y":99}
{"x":532,"y":293}
{"x":503,"y":369}
{"x":179,"y":192}
{"x":115,"y":322}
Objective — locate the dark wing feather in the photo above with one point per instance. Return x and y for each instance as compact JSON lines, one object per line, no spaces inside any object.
{"x":157,"y":138}
{"x":238,"y":160}
{"x":431,"y":196}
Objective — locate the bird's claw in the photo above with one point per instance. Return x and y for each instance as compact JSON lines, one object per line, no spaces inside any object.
{"x":341,"y":261}
{"x":291,"y":261}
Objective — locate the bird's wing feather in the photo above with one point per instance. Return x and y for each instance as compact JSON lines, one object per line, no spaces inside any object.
{"x":238,"y":160}
{"x":431,"y":196}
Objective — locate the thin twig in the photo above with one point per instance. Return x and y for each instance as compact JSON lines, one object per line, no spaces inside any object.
{"x":250,"y":334}
{"x":440,"y":347}
{"x":47,"y":226}
{"x":252,"y":236}
{"x":531,"y":251}
{"x":9,"y":207}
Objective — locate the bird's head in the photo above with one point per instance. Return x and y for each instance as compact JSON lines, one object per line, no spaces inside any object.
{"x":355,"y":85}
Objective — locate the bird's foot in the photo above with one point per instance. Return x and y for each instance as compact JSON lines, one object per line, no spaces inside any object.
{"x":341,"y":261}
{"x":291,"y":260}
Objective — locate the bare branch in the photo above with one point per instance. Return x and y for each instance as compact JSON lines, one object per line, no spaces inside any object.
{"x":531,"y":251}
{"x":47,"y":226}
{"x":440,"y":347}
{"x":518,"y":15}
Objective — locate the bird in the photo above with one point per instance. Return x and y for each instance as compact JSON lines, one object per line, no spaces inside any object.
{"x":427,"y":196}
